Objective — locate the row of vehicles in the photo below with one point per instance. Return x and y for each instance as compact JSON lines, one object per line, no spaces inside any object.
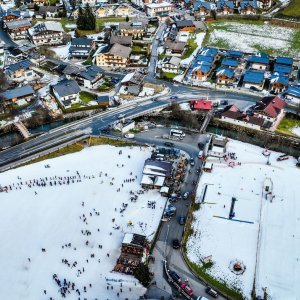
{"x":188,"y":290}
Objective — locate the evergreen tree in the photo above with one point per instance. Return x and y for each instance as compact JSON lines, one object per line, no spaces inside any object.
{"x":142,"y":273}
{"x":80,"y":19}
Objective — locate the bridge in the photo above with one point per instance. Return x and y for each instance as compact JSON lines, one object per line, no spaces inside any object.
{"x":22,"y":129}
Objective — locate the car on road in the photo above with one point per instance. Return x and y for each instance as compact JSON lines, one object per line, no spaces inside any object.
{"x":211,"y":292}
{"x":174,"y":97}
{"x":129,"y":135}
{"x":202,"y":298}
{"x":186,"y":195}
{"x":201,"y":146}
{"x":175,"y":244}
{"x":224,"y":102}
{"x":121,"y":116}
{"x":181,"y":220}
{"x":192,"y":161}
{"x":187,"y":289}
{"x":169,"y":144}
{"x":175,"y":276}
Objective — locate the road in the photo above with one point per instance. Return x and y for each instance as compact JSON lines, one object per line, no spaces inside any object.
{"x":172,"y":229}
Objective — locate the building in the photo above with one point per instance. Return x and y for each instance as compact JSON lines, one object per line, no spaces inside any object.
{"x":254,"y":79}
{"x":122,"y":40}
{"x":133,"y":83}
{"x":125,"y":126}
{"x":91,"y":3}
{"x":21,"y":71}
{"x":259,"y":62}
{"x":134,"y":250}
{"x":278,"y":83}
{"x":283,"y":65}
{"x":201,"y":71}
{"x":91,"y":77}
{"x":229,"y":62}
{"x":201,"y":105}
{"x":17,"y":97}
{"x":17,"y":29}
{"x":264,"y":4}
{"x":234,"y":54}
{"x":162,"y":9}
{"x":225,"y":7}
{"x":248,"y":7}
{"x":269,"y":108}
{"x":155,"y":173}
{"x":81,"y":47}
{"x":292,"y":95}
{"x":202,"y":8}
{"x":105,"y":11}
{"x":170,"y":64}
{"x":136,"y":28}
{"x":225,"y":76}
{"x":48,"y":11}
{"x":117,"y":56}
{"x":175,"y":48}
{"x":218,"y":146}
{"x":46,"y":33}
{"x":66,"y":92}
{"x":185,"y":25}
{"x":10,"y":15}
{"x":122,"y":11}
{"x":233,"y":115}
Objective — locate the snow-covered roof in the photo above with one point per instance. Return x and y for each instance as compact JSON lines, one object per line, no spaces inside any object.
{"x":159,"y":180}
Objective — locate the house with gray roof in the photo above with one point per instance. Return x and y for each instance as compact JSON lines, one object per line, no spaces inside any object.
{"x":18,"y":96}
{"x":48,"y":11}
{"x":91,"y":77}
{"x":46,"y":33}
{"x":17,"y":29}
{"x":122,"y":40}
{"x":81,"y":47}
{"x":21,"y":71}
{"x":66,"y":92}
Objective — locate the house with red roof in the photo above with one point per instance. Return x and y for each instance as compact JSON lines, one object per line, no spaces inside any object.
{"x":201,"y":105}
{"x":270,"y":108}
{"x":231,"y":114}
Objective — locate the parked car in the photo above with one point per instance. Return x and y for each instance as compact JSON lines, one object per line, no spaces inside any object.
{"x":174,"y":97}
{"x":187,"y":289}
{"x":175,"y":276}
{"x":175,"y":244}
{"x":201,"y":146}
{"x":121,"y":116}
{"x":192,"y":161}
{"x":169,"y":144}
{"x":186,"y":195}
{"x":211,"y":292}
{"x":129,"y":136}
{"x":181,"y":220}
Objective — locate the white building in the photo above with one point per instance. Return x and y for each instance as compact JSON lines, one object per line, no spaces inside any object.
{"x":159,"y":9}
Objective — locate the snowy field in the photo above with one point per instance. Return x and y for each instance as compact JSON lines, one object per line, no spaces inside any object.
{"x":251,"y":38}
{"x":277,"y":240}
{"x":296,"y":131}
{"x":72,"y":221}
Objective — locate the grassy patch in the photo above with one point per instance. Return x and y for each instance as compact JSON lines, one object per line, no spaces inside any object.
{"x":168,"y":75}
{"x":60,"y":152}
{"x":88,"y":62}
{"x":192,"y":45}
{"x":286,"y":125}
{"x":106,"y":86}
{"x":86,"y":97}
{"x":220,"y":43}
{"x":93,"y":141}
{"x":291,"y":11}
{"x":296,"y":39}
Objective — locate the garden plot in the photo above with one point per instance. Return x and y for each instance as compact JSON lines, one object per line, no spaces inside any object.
{"x":251,"y":38}
{"x":66,"y":207}
{"x":272,"y":227}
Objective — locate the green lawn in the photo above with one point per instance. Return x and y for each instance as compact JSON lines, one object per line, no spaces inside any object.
{"x":192,"y":45}
{"x":106,"y":86}
{"x":291,"y":11}
{"x":86,"y":97}
{"x":286,"y":125}
{"x":167,"y":75}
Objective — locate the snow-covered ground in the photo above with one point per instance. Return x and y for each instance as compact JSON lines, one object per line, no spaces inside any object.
{"x":249,"y":37}
{"x":62,"y":51}
{"x":199,"y":40}
{"x":296,"y":131}
{"x":278,"y":266}
{"x":72,"y":222}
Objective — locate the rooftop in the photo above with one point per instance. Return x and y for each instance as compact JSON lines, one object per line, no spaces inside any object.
{"x":254,"y":77}
{"x":17,"y":24}
{"x":66,"y":87}
{"x":17,"y":92}
{"x":199,"y":4}
{"x":201,"y":104}
{"x":81,"y":42}
{"x":119,"y":39}
{"x":227,"y":72}
{"x":271,"y":106}
{"x":260,"y":58}
{"x":283,"y":69}
{"x":120,"y":50}
{"x":230,"y":62}
{"x":284,"y":60}
{"x":24,"y":64}
{"x":222,"y":4}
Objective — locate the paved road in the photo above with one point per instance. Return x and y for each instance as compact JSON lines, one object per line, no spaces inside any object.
{"x":172,"y":229}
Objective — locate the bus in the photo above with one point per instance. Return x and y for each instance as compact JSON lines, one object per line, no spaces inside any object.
{"x":176,"y":132}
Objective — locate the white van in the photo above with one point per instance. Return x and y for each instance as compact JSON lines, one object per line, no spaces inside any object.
{"x":129,"y":136}
{"x":200,"y":154}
